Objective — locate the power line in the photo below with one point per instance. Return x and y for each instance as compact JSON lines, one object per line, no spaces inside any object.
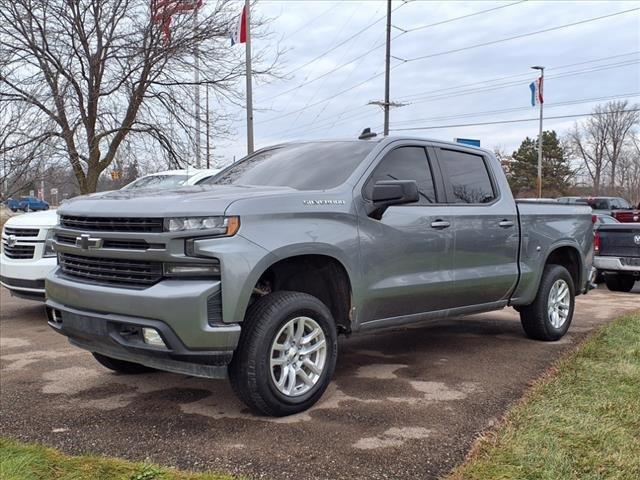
{"x":448,"y":52}
{"x":474,"y":114}
{"x":422,"y":27}
{"x":522,"y":35}
{"x":516,"y":75}
{"x":500,"y":86}
{"x":346,"y":40}
{"x":516,"y":109}
{"x":341,"y":66}
{"x":455,"y":94}
{"x":500,"y":122}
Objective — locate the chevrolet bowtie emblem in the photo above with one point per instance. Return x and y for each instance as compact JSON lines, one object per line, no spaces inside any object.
{"x":11,"y":241}
{"x":85,"y":242}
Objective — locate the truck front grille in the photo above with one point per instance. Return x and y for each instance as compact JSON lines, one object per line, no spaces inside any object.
{"x":22,"y":232}
{"x":112,"y":224}
{"x":113,"y":243}
{"x":133,"y":273}
{"x":18,"y":251}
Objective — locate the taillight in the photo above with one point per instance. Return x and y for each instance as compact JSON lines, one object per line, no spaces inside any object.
{"x":594,"y":218}
{"x":596,"y":242}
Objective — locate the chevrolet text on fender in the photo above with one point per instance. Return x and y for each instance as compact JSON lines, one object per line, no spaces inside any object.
{"x":255,"y":273}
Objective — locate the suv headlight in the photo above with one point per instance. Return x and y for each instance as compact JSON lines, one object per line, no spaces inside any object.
{"x":218,"y":226}
{"x":48,"y":245}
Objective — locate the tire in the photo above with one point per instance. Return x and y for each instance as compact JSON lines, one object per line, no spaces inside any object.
{"x":537,"y":320}
{"x":253,"y":376}
{"x":121,"y":366}
{"x":619,"y":283}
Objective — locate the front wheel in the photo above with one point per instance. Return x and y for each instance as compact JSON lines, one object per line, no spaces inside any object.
{"x":549,"y":316}
{"x":286,"y":355}
{"x":618,"y":282}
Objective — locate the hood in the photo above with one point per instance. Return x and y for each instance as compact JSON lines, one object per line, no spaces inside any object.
{"x":43,"y":219}
{"x":186,"y":201}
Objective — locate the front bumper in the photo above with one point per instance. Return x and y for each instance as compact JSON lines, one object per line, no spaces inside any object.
{"x":101,"y":318}
{"x":25,"y":278}
{"x":617,"y":264}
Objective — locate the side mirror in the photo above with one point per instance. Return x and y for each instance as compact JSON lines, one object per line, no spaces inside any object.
{"x":387,"y":193}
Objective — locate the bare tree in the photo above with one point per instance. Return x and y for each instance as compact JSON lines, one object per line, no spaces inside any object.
{"x":102,"y":71}
{"x":24,"y":148}
{"x":599,"y":142}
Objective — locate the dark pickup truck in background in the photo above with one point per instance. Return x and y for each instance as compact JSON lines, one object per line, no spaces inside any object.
{"x":617,"y":207}
{"x":617,"y":255}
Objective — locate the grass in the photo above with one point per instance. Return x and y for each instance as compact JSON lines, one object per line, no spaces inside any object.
{"x":581,"y":421}
{"x":19,"y":461}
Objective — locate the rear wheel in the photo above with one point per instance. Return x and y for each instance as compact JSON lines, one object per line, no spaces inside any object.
{"x":619,"y":283}
{"x":549,"y":316}
{"x":121,"y":366}
{"x":286,"y":355}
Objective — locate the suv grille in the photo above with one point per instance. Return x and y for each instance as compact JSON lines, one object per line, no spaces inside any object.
{"x":18,"y":251}
{"x":115,"y":224}
{"x":132,"y":273}
{"x":21,"y":232}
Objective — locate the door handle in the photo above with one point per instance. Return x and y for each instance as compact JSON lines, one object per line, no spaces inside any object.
{"x":506,"y":223}
{"x":440,"y":224}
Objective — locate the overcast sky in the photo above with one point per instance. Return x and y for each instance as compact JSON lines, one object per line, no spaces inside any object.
{"x":591,"y":60}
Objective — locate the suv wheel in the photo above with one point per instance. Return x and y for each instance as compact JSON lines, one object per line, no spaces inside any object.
{"x":121,"y":366}
{"x":286,"y":355}
{"x":549,"y":316}
{"x":619,"y":283}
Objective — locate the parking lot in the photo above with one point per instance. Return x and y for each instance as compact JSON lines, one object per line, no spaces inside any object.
{"x":405,"y":403}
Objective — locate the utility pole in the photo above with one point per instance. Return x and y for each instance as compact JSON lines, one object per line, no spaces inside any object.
{"x":386,"y":104}
{"x":541,"y":102}
{"x":196,"y":82}
{"x":207,"y":124}
{"x":249,"y":75}
{"x":387,"y":64}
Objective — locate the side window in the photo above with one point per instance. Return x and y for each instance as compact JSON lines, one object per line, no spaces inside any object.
{"x":468,"y":176}
{"x":406,"y":163}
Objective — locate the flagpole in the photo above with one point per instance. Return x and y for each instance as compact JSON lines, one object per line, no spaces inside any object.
{"x":541,"y":101}
{"x":196,"y":81}
{"x":248,"y":78}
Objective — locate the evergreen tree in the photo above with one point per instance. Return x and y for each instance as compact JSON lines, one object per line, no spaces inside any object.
{"x":556,"y":170}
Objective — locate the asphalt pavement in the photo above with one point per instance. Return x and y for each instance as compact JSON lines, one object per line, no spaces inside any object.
{"x":406,"y":403}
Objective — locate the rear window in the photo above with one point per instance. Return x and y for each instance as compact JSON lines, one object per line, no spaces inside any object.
{"x":468,"y":176}
{"x":303,"y":166}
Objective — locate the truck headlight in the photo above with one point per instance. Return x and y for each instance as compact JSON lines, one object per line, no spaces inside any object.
{"x":48,"y":245}
{"x":222,"y":226}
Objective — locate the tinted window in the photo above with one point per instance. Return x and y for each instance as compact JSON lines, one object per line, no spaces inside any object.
{"x":598,"y":203}
{"x":303,"y":166}
{"x":406,"y":163}
{"x":468,"y":176}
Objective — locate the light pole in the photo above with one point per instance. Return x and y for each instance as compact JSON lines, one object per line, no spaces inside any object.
{"x":541,"y":102}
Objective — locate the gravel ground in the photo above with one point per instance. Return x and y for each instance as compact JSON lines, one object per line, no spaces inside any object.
{"x":405,"y":403}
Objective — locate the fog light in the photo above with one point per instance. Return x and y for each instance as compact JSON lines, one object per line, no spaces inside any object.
{"x":152,"y":337}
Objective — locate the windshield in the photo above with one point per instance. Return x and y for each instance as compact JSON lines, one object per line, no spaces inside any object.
{"x":303,"y":166}
{"x":157,"y":181}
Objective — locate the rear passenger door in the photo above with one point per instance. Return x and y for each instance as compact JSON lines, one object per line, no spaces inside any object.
{"x":486,"y":238}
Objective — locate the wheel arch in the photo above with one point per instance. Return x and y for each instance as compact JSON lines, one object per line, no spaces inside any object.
{"x":319,"y":274}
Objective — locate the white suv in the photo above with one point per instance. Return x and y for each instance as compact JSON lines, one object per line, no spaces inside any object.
{"x":27,"y":257}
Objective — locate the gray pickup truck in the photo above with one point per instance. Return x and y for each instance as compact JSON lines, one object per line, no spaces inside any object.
{"x":256,"y":273}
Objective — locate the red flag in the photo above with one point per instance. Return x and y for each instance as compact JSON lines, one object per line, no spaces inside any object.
{"x":163,"y":10}
{"x":239,"y":33}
